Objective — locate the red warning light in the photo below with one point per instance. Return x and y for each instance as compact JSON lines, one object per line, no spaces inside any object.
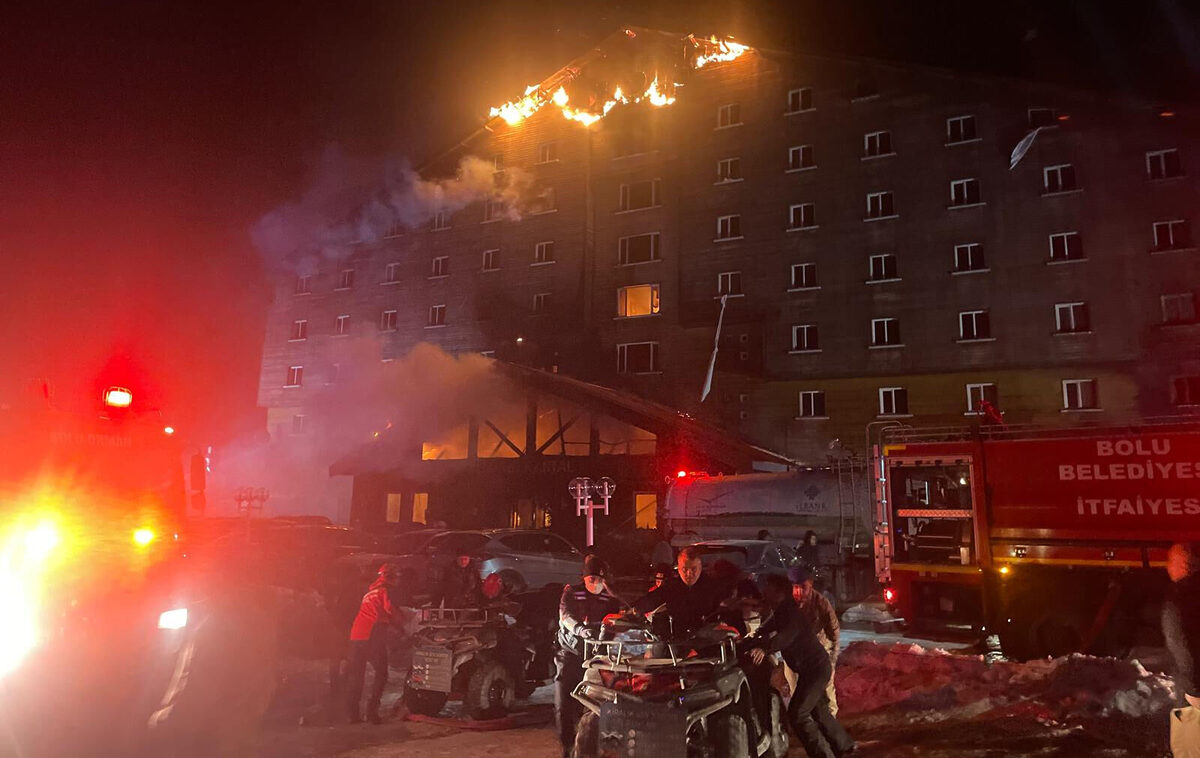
{"x":1064,"y":117}
{"x":1166,"y":113}
{"x":118,"y":397}
{"x":680,"y":474}
{"x":889,"y":595}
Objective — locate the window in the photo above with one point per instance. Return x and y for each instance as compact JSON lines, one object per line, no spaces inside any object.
{"x":641,"y":248}
{"x":491,"y":260}
{"x":631,"y":138}
{"x":298,"y":423}
{"x":883,"y":267}
{"x":637,"y":300}
{"x":1041,"y":117}
{"x":299,"y":331}
{"x":1066,"y":246}
{"x":543,"y":252}
{"x":303,"y":285}
{"x":880,"y":205}
{"x":969,"y":257}
{"x":1185,"y":390}
{"x":804,"y":276}
{"x":547,"y":152}
{"x":864,"y":90}
{"x":391,"y":273}
{"x":799,"y":100}
{"x":803,"y":216}
{"x":440,"y":266}
{"x":876,"y":144}
{"x":640,"y":195}
{"x":541,"y":303}
{"x":387,"y":321}
{"x":544,"y":200}
{"x":964,"y":192}
{"x":1178,"y":308}
{"x":420,"y":511}
{"x":1079,"y":394}
{"x":437,"y":315}
{"x":341,"y":325}
{"x":1163,"y":164}
{"x":1172,"y":235}
{"x":812,"y":404}
{"x":974,"y":325}
{"x":805,"y":338}
{"x":645,"y":510}
{"x":893,"y":401}
{"x":729,"y":170}
{"x":885,"y":332}
{"x":497,"y":163}
{"x":960,"y":129}
{"x":494,"y":209}
{"x":441,"y":221}
{"x":729,"y":283}
{"x":800,"y":157}
{"x":295,"y":376}
{"x":1071,"y":317}
{"x":729,"y":114}
{"x":729,"y":227}
{"x":977,"y":394}
{"x":1059,"y":178}
{"x":637,"y":358}
{"x":345,"y":279}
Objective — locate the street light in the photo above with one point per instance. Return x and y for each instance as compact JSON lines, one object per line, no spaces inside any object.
{"x":583,"y":489}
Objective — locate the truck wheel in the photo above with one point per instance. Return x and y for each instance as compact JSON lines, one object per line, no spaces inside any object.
{"x":424,"y":702}
{"x":587,"y":736}
{"x":778,"y":726}
{"x":729,"y":734}
{"x":489,"y":691}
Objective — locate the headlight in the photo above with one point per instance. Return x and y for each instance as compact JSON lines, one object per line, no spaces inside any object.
{"x":176,"y":618}
{"x":18,"y":621}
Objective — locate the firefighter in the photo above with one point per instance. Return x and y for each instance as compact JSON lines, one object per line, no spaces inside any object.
{"x":690,"y":596}
{"x":820,"y":615}
{"x":368,"y":644}
{"x":788,"y":633}
{"x":461,"y":587}
{"x":582,"y":607}
{"x":1181,"y":620}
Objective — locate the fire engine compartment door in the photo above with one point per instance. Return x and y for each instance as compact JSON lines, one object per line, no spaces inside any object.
{"x":932,"y":511}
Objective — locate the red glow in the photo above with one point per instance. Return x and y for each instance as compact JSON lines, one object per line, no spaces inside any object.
{"x":118,"y":397}
{"x":1064,"y":117}
{"x":1167,"y":114}
{"x":889,"y":595}
{"x":680,"y":474}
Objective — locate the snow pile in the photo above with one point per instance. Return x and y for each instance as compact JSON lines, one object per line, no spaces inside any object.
{"x":871,"y":676}
{"x":867,"y":613}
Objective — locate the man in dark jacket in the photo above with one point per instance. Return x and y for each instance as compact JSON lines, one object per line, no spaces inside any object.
{"x":582,"y":607}
{"x":690,"y":596}
{"x":368,"y":644}
{"x":787,"y":632}
{"x":820,"y":615}
{"x":1181,"y":619}
{"x":461,"y":587}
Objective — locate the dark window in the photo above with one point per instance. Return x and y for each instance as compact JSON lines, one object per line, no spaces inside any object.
{"x":800,"y":100}
{"x":640,"y":249}
{"x":960,"y":129}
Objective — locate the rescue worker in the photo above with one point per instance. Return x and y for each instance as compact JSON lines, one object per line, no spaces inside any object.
{"x":820,"y":615}
{"x":582,"y":607}
{"x":788,"y":633}
{"x":1181,"y":620}
{"x":368,"y":644}
{"x":461,"y":587}
{"x":690,"y":596}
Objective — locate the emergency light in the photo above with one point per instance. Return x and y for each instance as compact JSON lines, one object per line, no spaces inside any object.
{"x":117,"y":397}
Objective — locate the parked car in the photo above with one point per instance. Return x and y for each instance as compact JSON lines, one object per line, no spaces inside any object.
{"x":524,"y":558}
{"x":755,"y":557}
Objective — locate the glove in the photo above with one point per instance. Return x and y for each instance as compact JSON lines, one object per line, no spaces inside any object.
{"x":585,"y":633}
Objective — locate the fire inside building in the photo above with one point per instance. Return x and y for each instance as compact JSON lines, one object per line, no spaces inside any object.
{"x":673,"y":244}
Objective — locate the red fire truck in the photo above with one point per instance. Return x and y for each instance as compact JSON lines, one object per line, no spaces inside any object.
{"x":1054,"y":539}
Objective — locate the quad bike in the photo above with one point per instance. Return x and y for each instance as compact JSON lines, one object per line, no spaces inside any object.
{"x":479,"y":654}
{"x":646,"y":694}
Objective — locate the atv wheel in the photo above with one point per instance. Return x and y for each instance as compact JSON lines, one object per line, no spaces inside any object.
{"x":778,"y":727}
{"x":729,"y":734}
{"x":489,"y":691}
{"x":424,"y":702}
{"x":587,"y":736}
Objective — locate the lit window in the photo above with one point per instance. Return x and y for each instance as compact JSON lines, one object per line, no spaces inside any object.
{"x":803,"y":216}
{"x":974,"y":325}
{"x":960,"y":129}
{"x":805,"y":338}
{"x":977,"y":394}
{"x":640,"y":195}
{"x":729,"y":283}
{"x":893,"y":401}
{"x":729,"y":170}
{"x":729,"y":114}
{"x":1066,"y":246}
{"x":1171,"y":235}
{"x":883,"y":267}
{"x":800,"y":157}
{"x":1059,"y":178}
{"x":543,"y":252}
{"x":1178,"y":308}
{"x":885,"y":332}
{"x":800,"y":100}
{"x":812,"y":404}
{"x":637,"y":358}
{"x":880,"y":205}
{"x":387,"y":321}
{"x":391,"y":273}
{"x":638,"y":300}
{"x":295,"y":376}
{"x":729,"y":227}
{"x":303,"y":285}
{"x":876,"y":144}
{"x":547,"y":152}
{"x":437,"y":315}
{"x":969,"y":257}
{"x":641,"y":248}
{"x":1079,"y":394}
{"x":440,"y":266}
{"x":299,"y":331}
{"x":804,"y":276}
{"x":491,"y":260}
{"x":1163,"y":164}
{"x":1071,"y":317}
{"x":341,"y":325}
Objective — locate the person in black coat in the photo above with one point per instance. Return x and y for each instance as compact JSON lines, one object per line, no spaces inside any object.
{"x":690,"y":596}
{"x":461,"y":586}
{"x":1181,"y":619}
{"x":787,"y":632}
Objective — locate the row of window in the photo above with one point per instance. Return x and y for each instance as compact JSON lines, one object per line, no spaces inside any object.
{"x":1077,"y":395}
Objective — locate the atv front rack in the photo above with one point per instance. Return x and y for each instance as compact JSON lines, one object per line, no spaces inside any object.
{"x":617,"y":655}
{"x":459,"y":617}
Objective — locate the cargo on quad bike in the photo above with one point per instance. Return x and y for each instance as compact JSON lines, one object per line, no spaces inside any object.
{"x":648,"y":695}
{"x":479,"y":654}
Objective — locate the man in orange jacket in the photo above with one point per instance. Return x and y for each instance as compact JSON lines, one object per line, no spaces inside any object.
{"x":368,"y":644}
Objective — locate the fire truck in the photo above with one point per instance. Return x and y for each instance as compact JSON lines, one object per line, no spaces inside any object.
{"x":1053,"y":539}
{"x":92,"y":618}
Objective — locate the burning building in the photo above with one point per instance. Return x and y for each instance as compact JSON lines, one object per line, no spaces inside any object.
{"x":861,"y":242}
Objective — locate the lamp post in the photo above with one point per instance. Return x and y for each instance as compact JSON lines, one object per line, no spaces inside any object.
{"x":583,"y":489}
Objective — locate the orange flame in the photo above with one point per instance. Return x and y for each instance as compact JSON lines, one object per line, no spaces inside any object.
{"x":516,"y":111}
{"x":719,"y":51}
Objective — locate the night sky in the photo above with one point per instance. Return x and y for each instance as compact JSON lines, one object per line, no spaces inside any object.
{"x":139,"y":142}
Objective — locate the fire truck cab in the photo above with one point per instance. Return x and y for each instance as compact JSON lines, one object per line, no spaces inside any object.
{"x":1052,"y":538}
